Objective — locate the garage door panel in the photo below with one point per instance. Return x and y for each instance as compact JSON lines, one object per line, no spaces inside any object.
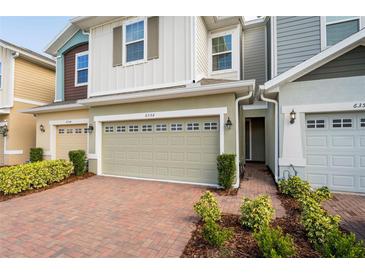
{"x":318,"y":180}
{"x":342,"y":161}
{"x":317,"y":160}
{"x":70,"y":137}
{"x":343,"y":181}
{"x":343,"y":141}
{"x":317,"y":141}
{"x":362,"y":162}
{"x":362,"y":141}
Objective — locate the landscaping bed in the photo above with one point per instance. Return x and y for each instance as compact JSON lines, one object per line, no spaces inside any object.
{"x":68,"y":180}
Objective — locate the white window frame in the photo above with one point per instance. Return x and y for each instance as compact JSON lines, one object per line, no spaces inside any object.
{"x":316,"y":123}
{"x":121,"y":129}
{"x":135,"y":128}
{"x":109,"y":129}
{"x":1,"y":75}
{"x":147,"y":128}
{"x":124,"y":51}
{"x":342,"y":122}
{"x":210,"y":126}
{"x":193,"y":126}
{"x":178,"y":127}
{"x":77,"y":70}
{"x":161,"y":128}
{"x":78,"y":130}
{"x":361,"y":123}
{"x":61,"y":131}
{"x":323,"y":23}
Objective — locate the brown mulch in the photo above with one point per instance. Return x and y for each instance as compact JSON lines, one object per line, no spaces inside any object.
{"x":69,"y":180}
{"x":225,"y":192}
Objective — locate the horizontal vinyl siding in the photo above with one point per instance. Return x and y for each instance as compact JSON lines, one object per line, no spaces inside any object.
{"x":201,"y":47}
{"x":254,"y":54}
{"x":298,"y":39}
{"x":33,"y":82}
{"x":350,"y":64}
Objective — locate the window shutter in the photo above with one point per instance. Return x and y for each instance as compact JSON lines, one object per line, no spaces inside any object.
{"x":118,"y":46}
{"x":153,"y":37}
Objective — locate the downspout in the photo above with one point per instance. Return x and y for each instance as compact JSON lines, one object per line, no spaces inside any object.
{"x":249,"y":95}
{"x":276,"y":153}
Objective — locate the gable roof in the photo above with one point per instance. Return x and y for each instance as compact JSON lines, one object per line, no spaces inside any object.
{"x":61,"y":39}
{"x":316,"y":61}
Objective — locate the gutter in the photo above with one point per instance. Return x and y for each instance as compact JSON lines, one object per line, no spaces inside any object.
{"x":276,"y":153}
{"x":238,"y":100}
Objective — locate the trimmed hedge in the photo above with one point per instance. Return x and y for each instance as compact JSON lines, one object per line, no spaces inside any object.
{"x":78,"y":158}
{"x":207,"y":207}
{"x":256,"y":213}
{"x":215,"y":235}
{"x":226,"y":165}
{"x":36,"y":154}
{"x":19,"y":178}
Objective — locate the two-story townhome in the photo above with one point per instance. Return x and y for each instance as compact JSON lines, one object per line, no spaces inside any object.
{"x":317,"y":65}
{"x":158,"y":97}
{"x":27,"y":80}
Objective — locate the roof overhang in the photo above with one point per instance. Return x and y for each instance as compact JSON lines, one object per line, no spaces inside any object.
{"x":53,"y":108}
{"x":217,"y":22}
{"x":61,"y":39}
{"x":255,"y":22}
{"x":239,"y":87}
{"x":86,"y":22}
{"x":355,"y":40}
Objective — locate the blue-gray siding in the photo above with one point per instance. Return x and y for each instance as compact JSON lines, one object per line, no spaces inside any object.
{"x":349,"y":64}
{"x":268,"y":42}
{"x":298,"y":39}
{"x":255,"y":54}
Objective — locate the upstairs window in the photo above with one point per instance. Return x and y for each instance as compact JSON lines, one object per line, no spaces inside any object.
{"x":340,"y":27}
{"x":81,"y":68}
{"x":134,"y":41}
{"x":222,"y":52}
{"x":1,"y":75}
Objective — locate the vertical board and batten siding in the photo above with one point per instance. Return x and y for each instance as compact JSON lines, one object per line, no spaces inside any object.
{"x":173,"y":64}
{"x":349,"y":64}
{"x":298,"y":39}
{"x":6,"y":60}
{"x":201,"y":47}
{"x":33,"y":82}
{"x":255,"y":54}
{"x":72,"y":92}
{"x":268,"y":50}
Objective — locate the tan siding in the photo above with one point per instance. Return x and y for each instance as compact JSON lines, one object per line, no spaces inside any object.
{"x":201,"y":47}
{"x":33,"y":82}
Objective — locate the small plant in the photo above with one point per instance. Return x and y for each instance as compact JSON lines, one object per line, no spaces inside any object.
{"x":274,"y":244}
{"x":207,"y":207}
{"x":216,"y":235}
{"x":36,"y":154}
{"x":295,"y":187}
{"x":78,"y":158}
{"x":226,"y":165}
{"x":322,"y":194}
{"x":256,"y":213}
{"x":341,"y":245}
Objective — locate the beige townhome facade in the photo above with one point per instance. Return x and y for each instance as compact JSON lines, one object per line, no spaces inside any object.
{"x":27,"y":79}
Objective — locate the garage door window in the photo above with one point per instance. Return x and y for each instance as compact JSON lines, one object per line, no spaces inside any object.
{"x":86,"y":130}
{"x":211,"y":126}
{"x":176,"y":127}
{"x":61,"y":131}
{"x":147,"y":128}
{"x":70,"y":131}
{"x":78,"y":130}
{"x":362,"y":122}
{"x":342,"y":123}
{"x":161,"y":127}
{"x":120,"y":129}
{"x":133,"y":128}
{"x":109,"y":129}
{"x":192,"y":126}
{"x":320,"y":123}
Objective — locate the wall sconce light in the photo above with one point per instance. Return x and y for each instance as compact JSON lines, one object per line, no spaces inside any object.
{"x":90,"y":129}
{"x":292,"y":116}
{"x":41,"y":128}
{"x":228,"y":124}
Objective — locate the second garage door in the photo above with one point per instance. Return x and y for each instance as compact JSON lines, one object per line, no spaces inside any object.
{"x":335,"y":151}
{"x":70,"y":137}
{"x":172,"y":149}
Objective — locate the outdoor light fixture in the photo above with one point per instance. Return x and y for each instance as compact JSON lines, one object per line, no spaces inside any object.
{"x":228,"y":124}
{"x":292,"y":116}
{"x":41,"y":128}
{"x":90,"y":129}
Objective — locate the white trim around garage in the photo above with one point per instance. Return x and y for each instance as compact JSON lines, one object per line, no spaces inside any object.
{"x":31,"y":102}
{"x":52,"y":134}
{"x":13,"y":152}
{"x":331,"y":107}
{"x":221,"y":111}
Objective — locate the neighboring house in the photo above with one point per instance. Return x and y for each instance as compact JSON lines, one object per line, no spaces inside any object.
{"x":160,"y":97}
{"x":27,"y":80}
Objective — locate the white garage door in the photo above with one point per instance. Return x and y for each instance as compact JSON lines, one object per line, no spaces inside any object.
{"x":335,"y":151}
{"x":181,"y":149}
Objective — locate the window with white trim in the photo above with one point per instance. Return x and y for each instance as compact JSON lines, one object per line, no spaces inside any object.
{"x":362,"y":122}
{"x":86,"y":130}
{"x":176,"y":127}
{"x":78,"y":130}
{"x":340,"y":27}
{"x":317,"y":123}
{"x":70,"y":131}
{"x":211,"y":126}
{"x":146,"y":128}
{"x":192,"y":126}
{"x":134,"y":45}
{"x":81,"y":68}
{"x":109,"y":129}
{"x":61,"y":131}
{"x":1,"y":75}
{"x":133,"y":128}
{"x":222,"y":52}
{"x":161,"y":127}
{"x":342,"y":123}
{"x":121,"y":129}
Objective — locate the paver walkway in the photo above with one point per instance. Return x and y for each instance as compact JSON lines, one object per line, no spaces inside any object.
{"x":112,"y":217}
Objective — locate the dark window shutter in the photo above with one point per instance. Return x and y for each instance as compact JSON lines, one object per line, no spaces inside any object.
{"x":118,"y":46}
{"x":153,"y":37}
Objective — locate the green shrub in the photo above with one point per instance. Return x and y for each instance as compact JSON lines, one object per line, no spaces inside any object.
{"x":36,"y":154}
{"x":256,"y":213}
{"x":19,"y":178}
{"x":341,"y":245}
{"x":226,"y":165}
{"x":207,"y":207}
{"x":274,"y":244}
{"x":322,"y":194}
{"x":78,"y":158}
{"x":216,"y":235}
{"x":295,"y":187}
